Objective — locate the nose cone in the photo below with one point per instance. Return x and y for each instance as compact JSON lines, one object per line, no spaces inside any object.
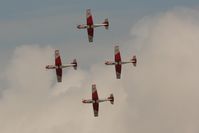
{"x":47,"y":67}
{"x":83,"y":101}
{"x":78,"y":26}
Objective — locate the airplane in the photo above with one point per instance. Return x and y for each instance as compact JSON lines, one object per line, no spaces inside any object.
{"x":90,"y":25}
{"x":118,"y":62}
{"x":58,"y":66}
{"x":95,"y":100}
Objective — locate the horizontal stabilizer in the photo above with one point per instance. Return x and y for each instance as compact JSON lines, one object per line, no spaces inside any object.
{"x":75,"y":64}
{"x":106,"y":22}
{"x":134,"y":60}
{"x":111,"y":98}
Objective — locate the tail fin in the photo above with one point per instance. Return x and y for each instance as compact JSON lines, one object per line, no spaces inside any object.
{"x":106,"y":22}
{"x":75,"y":64}
{"x":134,"y":60}
{"x":111,"y":98}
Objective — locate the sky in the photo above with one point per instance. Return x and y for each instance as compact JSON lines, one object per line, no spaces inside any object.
{"x":160,"y":95}
{"x":48,"y":22}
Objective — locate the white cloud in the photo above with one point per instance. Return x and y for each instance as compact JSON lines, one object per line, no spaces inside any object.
{"x":34,"y":102}
{"x":164,"y":88}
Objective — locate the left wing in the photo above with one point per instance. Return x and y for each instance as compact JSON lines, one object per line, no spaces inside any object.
{"x":89,"y":17}
{"x":90,"y":32}
{"x":57,"y":58}
{"x":95,"y":98}
{"x":117,"y":54}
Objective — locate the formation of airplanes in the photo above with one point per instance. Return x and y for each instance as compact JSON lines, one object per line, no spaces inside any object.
{"x":58,"y":66}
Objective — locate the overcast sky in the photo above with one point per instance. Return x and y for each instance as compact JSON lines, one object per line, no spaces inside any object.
{"x":49,"y":22}
{"x":160,"y":95}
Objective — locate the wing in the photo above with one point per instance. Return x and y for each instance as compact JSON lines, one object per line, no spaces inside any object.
{"x":96,"y":109}
{"x":57,"y":58}
{"x":95,"y":98}
{"x":118,"y":66}
{"x":59,"y":74}
{"x":94,"y":93}
{"x":89,"y":20}
{"x":118,"y":69}
{"x":117,"y":54}
{"x":90,"y":32}
{"x":89,"y":17}
{"x":58,"y":63}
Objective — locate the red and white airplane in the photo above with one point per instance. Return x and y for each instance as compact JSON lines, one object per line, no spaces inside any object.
{"x":90,"y":26}
{"x":95,"y":100}
{"x":58,"y":66}
{"x":118,"y":62}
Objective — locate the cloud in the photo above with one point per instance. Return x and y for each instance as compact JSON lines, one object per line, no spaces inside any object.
{"x":164,"y":86}
{"x":34,"y":102}
{"x":159,"y":95}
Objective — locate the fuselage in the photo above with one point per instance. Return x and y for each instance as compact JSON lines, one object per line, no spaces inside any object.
{"x":94,"y":101}
{"x":84,"y":26}
{"x":117,"y":62}
{"x":59,"y":66}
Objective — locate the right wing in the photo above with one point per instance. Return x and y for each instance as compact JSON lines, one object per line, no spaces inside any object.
{"x":118,"y":69}
{"x":90,"y":32}
{"x":59,"y":74}
{"x":95,"y":98}
{"x":118,"y":66}
{"x":96,"y":109}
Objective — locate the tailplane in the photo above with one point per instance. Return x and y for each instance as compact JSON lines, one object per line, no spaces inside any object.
{"x":111,"y":98}
{"x":106,"y":22}
{"x":75,"y":64}
{"x":134,"y":60}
